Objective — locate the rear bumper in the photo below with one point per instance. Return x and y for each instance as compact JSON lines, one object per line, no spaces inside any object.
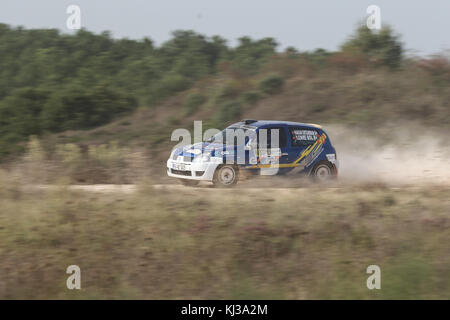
{"x":192,"y":171}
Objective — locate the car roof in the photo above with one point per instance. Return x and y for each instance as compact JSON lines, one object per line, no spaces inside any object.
{"x":260,"y":123}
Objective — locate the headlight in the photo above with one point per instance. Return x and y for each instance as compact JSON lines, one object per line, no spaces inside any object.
{"x":172,"y":154}
{"x":205,"y":157}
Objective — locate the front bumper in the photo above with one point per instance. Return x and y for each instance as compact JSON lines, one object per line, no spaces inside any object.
{"x":191,"y":170}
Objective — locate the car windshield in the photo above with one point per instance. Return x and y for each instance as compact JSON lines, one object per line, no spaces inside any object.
{"x":233,"y":135}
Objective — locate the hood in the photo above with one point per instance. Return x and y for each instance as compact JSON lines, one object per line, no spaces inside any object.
{"x":193,"y":150}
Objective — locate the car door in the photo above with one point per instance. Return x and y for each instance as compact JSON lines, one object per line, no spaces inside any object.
{"x":273,"y":156}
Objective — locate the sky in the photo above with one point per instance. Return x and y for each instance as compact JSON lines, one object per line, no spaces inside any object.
{"x":305,"y":24}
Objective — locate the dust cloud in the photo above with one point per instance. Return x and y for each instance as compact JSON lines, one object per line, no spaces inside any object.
{"x":396,"y":155}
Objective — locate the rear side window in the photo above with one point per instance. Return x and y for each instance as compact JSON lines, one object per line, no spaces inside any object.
{"x":303,"y":136}
{"x":281,"y":135}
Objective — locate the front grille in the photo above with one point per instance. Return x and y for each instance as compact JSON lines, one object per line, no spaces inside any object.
{"x":181,"y":172}
{"x":185,"y":158}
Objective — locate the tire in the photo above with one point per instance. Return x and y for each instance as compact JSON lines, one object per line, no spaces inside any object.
{"x":189,"y":183}
{"x":323,"y":172}
{"x":226,"y":176}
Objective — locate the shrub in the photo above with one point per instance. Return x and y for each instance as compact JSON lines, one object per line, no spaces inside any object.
{"x":69,"y":154}
{"x":106,"y":153}
{"x":251,"y":97}
{"x":171,"y":84}
{"x":75,"y":108}
{"x":383,"y":48}
{"x":226,"y":92}
{"x":272,"y":84}
{"x":34,"y":151}
{"x":228,"y":111}
{"x":348,"y":62}
{"x":192,"y":102}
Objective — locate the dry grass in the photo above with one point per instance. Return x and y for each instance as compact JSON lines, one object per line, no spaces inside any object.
{"x":71,"y":163}
{"x":311,"y":243}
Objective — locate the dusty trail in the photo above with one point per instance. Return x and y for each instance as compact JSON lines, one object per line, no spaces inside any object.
{"x":208,"y":188}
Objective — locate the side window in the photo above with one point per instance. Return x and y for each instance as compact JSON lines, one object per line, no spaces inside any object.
{"x":301,"y":137}
{"x":281,"y":136}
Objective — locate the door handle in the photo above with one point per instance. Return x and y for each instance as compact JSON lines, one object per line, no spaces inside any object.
{"x":284,"y":154}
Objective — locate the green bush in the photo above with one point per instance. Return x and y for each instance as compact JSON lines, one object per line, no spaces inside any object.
{"x":271,"y":84}
{"x":383,"y":48}
{"x":249,"y":55}
{"x":226,"y":92}
{"x":80,"y":109}
{"x":170,"y":84}
{"x":228,"y":112}
{"x":251,"y":97}
{"x":18,"y":112}
{"x":192,"y":102}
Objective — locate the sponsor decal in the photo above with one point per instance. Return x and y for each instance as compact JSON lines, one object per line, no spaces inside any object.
{"x":304,"y":135}
{"x":306,"y":157}
{"x":311,"y":157}
{"x":268,"y":156}
{"x":315,"y":148}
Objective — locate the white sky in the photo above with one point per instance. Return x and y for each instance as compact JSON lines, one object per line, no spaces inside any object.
{"x":304,"y":24}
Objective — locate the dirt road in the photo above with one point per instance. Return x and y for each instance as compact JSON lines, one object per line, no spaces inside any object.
{"x":202,"y":188}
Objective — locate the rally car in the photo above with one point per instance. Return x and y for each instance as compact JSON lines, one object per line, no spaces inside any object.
{"x":256,"y":147}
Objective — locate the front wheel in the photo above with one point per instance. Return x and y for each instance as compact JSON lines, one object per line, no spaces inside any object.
{"x":225,"y":176}
{"x":323,"y":172}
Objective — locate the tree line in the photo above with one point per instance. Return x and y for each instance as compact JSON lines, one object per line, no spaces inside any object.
{"x":52,"y":82}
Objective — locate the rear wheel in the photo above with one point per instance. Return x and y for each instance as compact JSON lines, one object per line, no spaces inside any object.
{"x":225,"y":176}
{"x":323,"y":171}
{"x":190,"y":183}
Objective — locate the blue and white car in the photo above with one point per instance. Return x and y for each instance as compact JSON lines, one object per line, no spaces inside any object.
{"x":263,"y":148}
